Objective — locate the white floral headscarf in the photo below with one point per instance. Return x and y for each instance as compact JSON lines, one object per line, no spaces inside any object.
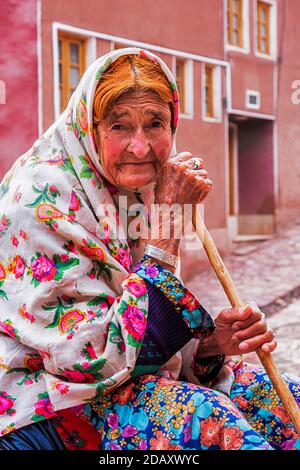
{"x":75,"y":128}
{"x":61,"y":269}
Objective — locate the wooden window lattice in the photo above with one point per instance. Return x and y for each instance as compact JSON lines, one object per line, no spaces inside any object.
{"x":263,"y":27}
{"x":209,"y":91}
{"x":235,"y":23}
{"x":71,"y":66}
{"x":180,"y":80}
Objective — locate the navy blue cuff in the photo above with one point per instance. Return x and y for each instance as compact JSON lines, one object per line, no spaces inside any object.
{"x":166,"y":331}
{"x":197,"y":319}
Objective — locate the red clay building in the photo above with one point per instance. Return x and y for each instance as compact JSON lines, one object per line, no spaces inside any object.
{"x":237,"y":66}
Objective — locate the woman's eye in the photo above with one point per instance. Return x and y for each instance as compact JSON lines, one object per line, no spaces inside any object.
{"x":117,"y":127}
{"x":157,"y":124}
{"x":121,"y":127}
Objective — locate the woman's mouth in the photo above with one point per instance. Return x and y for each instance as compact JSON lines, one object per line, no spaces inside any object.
{"x":137,"y":163}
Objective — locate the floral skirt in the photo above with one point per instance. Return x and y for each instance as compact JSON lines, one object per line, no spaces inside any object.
{"x":152,"y":412}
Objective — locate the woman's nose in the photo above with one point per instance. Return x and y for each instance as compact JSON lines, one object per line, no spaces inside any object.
{"x":139,"y":145}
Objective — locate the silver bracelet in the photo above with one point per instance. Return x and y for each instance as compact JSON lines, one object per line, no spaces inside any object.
{"x":161,"y":255}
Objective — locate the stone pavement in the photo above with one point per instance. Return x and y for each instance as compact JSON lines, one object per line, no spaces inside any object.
{"x":267,"y":272}
{"x":286,"y":324}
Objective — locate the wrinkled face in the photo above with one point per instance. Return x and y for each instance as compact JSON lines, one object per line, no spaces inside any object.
{"x":135,"y":139}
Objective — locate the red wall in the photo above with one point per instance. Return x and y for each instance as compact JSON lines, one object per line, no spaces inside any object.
{"x":288,"y":121}
{"x":18,"y":69}
{"x":252,"y":74}
{"x":160,"y":23}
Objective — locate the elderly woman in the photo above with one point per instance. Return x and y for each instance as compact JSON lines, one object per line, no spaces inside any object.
{"x":102,"y":345}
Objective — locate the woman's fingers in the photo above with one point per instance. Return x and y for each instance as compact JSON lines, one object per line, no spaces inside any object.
{"x":181,"y":157}
{"x":255,"y":316}
{"x":195,"y":185}
{"x":269,"y":347}
{"x":256,"y":342}
{"x":187,"y":160}
{"x":204,"y":194}
{"x":202,"y":173}
{"x":182,"y":180}
{"x":204,"y":190}
{"x":257,"y":328}
{"x":201,"y":191}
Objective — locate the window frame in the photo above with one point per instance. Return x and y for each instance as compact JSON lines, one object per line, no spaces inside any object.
{"x":245,"y":49}
{"x":188,"y":86}
{"x":216,"y":93}
{"x":247,"y":102}
{"x":266,"y":7}
{"x":66,"y":38}
{"x":272,"y":33}
{"x":181,"y":89}
{"x":210,"y":107}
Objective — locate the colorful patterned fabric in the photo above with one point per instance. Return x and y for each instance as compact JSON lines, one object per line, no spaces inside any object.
{"x":156,"y":413}
{"x":187,"y":319}
{"x":73,"y":312}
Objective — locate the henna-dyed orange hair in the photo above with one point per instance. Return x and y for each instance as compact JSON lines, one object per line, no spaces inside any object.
{"x":127,"y":74}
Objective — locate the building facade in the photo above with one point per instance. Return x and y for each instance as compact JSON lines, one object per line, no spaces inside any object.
{"x":237,"y":67}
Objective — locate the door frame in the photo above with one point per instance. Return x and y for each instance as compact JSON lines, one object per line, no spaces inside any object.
{"x":232,"y":219}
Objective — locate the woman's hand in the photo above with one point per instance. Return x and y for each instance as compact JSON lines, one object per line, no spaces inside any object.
{"x":181,"y":181}
{"x":239,"y":331}
{"x":178,"y":184}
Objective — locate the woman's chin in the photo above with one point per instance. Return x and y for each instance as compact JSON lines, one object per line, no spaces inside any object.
{"x":137,"y":182}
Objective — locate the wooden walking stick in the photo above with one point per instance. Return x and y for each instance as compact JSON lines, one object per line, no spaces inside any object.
{"x":235,"y":299}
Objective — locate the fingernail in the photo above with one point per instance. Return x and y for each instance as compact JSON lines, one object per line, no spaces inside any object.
{"x":244,"y":346}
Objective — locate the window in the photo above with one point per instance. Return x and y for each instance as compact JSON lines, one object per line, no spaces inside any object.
{"x":71,"y":66}
{"x":263,"y":27}
{"x":180,"y":80}
{"x":265,"y":14}
{"x":235,"y":15}
{"x":252,"y":99}
{"x":237,"y":30}
{"x":183,"y":71}
{"x":211,"y":93}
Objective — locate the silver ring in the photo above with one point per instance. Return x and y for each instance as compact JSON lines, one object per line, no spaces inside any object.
{"x":197,"y":163}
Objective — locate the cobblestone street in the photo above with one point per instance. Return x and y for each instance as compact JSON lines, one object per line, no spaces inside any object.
{"x":267,"y":272}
